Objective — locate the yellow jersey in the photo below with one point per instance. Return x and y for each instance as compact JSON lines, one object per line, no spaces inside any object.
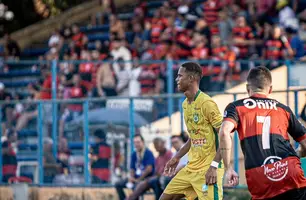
{"x":202,"y":117}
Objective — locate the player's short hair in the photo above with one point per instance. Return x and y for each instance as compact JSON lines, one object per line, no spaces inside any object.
{"x":194,"y":68}
{"x":259,"y":78}
{"x":140,"y":136}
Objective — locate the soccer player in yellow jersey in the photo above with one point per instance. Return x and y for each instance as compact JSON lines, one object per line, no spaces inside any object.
{"x":203,"y":175}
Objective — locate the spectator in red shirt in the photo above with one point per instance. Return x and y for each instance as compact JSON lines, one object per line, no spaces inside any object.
{"x":158,"y":25}
{"x":277,"y":48}
{"x":200,"y":50}
{"x":211,"y":9}
{"x":87,"y":71}
{"x":80,"y":39}
{"x":73,"y":110}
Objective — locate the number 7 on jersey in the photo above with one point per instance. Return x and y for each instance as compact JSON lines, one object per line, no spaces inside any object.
{"x":265,"y":134}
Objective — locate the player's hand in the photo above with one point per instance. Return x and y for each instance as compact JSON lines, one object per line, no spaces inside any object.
{"x":231,"y":178}
{"x":171,"y":166}
{"x":211,"y":176}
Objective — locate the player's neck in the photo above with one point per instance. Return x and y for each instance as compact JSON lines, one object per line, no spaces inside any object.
{"x":191,"y":94}
{"x":259,"y":94}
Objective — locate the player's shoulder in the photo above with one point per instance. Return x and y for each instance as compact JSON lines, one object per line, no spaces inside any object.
{"x":203,"y":97}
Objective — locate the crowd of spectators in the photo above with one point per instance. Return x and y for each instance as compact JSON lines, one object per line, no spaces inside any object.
{"x":230,"y":34}
{"x":222,"y":31}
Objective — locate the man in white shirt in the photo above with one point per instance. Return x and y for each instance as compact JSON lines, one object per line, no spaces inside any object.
{"x":120,"y":51}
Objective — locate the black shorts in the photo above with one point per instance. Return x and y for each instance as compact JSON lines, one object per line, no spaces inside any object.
{"x":295,"y":194}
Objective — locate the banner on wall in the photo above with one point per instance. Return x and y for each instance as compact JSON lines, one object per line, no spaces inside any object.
{"x":57,"y":193}
{"x":297,"y":75}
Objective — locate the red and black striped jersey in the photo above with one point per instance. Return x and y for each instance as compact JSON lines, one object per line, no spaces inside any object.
{"x":264,"y":125}
{"x":275,"y":48}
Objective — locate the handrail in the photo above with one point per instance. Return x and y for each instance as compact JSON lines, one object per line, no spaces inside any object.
{"x":160,"y":96}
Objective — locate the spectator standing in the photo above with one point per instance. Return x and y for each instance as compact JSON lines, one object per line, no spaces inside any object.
{"x":142,"y":167}
{"x":73,"y":110}
{"x":9,"y":159}
{"x":116,"y":27}
{"x":106,"y":81}
{"x":6,"y":109}
{"x":295,"y":42}
{"x":123,"y":77}
{"x":120,"y":51}
{"x":276,"y":47}
{"x":100,"y":157}
{"x":12,"y":48}
{"x":80,"y":39}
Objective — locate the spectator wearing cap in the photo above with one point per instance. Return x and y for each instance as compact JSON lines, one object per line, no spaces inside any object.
{"x":6,"y":109}
{"x":9,"y":159}
{"x":100,"y":159}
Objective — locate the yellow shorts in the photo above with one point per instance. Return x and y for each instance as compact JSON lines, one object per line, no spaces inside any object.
{"x":190,"y":184}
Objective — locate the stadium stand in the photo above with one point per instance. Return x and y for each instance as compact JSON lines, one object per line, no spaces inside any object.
{"x":216,"y":31}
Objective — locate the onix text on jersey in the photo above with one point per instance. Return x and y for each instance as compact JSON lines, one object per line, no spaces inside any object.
{"x":261,"y":104}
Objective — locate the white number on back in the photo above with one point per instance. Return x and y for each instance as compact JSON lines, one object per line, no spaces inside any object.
{"x":266,"y":121}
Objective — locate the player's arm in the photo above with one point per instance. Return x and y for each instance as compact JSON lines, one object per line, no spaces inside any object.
{"x":211,"y":112}
{"x":297,"y":130}
{"x":183,"y":150}
{"x":230,"y":122}
{"x":226,"y":129}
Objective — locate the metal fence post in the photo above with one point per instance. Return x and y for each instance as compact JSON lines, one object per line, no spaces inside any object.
{"x":86,"y":143}
{"x":54,"y":108}
{"x":132,"y":125}
{"x":40,"y":144}
{"x":170,"y":89}
{"x":1,"y":146}
{"x":181,"y":114}
{"x":236,"y":149}
{"x":296,"y":110}
{"x":288,"y":65}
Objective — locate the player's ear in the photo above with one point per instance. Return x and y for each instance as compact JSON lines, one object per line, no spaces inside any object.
{"x":247,"y":88}
{"x":270,"y":89}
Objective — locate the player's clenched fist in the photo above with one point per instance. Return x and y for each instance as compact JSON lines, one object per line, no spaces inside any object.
{"x":171,"y":166}
{"x":231,"y":178}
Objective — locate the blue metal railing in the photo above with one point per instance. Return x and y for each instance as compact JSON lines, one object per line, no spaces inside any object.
{"x":86,"y":141}
{"x":170,"y":109}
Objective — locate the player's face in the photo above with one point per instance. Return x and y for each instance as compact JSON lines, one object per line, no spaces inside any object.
{"x":138,"y":143}
{"x":183,"y":80}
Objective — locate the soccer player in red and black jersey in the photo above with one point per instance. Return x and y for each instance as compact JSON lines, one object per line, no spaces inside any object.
{"x":273,"y":169}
